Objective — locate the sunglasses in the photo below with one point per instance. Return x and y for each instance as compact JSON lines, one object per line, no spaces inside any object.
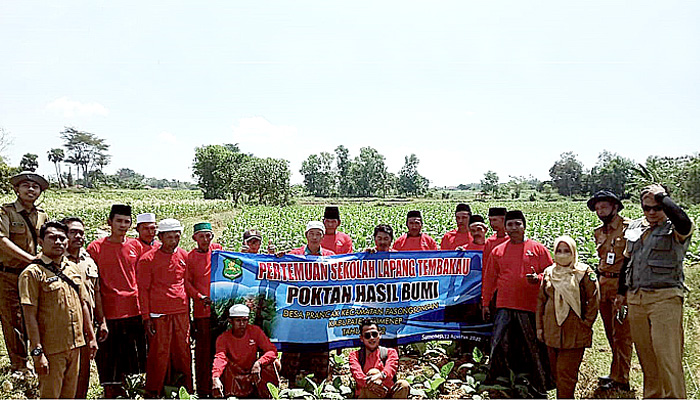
{"x":649,"y":208}
{"x":371,"y":335}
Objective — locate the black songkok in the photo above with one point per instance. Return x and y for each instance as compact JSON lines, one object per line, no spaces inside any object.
{"x":463,"y":207}
{"x":476,"y":218}
{"x":515,"y":214}
{"x":121,"y":209}
{"x":331,"y":212}
{"x":497,"y":211}
{"x":413,"y":214}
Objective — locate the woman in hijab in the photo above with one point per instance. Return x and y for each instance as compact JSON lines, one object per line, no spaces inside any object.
{"x":567,"y":306}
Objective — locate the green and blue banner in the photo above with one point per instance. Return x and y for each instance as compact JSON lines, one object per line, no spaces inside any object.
{"x":312,"y":303}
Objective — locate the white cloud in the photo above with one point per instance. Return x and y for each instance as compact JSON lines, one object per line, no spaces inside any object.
{"x":258,"y":129}
{"x":71,"y":108}
{"x":167,"y":137}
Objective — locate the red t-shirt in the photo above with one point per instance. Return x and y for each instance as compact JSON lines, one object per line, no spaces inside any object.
{"x":116,"y":263}
{"x":506,"y":270}
{"x":301,"y":251}
{"x":474,"y":246}
{"x":490,"y":244}
{"x":415,"y":243}
{"x":454,"y":239}
{"x":198,"y":282}
{"x":373,"y":360}
{"x":339,"y":243}
{"x":161,"y":278}
{"x":242,"y":351}
{"x":141,"y":247}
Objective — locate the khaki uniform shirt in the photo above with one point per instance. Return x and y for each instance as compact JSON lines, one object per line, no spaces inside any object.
{"x":59,"y":307}
{"x":575,"y":332}
{"x":88,"y":267}
{"x":14,"y":227}
{"x":610,"y":244}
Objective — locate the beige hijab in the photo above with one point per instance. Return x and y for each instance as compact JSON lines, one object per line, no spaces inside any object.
{"x":565,"y":280}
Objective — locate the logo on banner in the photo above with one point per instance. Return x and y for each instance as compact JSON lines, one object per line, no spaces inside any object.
{"x":233,"y":268}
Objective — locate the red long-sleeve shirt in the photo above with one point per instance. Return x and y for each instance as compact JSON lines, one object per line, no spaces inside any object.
{"x":507,"y":266}
{"x":372,"y":360}
{"x":161,"y":280}
{"x":242,"y":351}
{"x":454,"y":239}
{"x":491,"y":244}
{"x":141,"y":247}
{"x":415,"y":243}
{"x":300,"y":251}
{"x":198,"y":278}
{"x":339,"y":243}
{"x":116,"y":263}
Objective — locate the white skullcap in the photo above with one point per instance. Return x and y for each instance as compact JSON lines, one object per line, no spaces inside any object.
{"x":145,"y":217}
{"x":170,"y":225}
{"x":315,"y":225}
{"x":239,"y":310}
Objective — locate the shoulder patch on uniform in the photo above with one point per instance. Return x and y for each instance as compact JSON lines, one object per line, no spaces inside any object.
{"x":592,"y":276}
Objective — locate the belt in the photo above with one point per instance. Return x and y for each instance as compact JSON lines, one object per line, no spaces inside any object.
{"x":609,"y":274}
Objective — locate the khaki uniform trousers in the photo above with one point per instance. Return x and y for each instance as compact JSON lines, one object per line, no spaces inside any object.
{"x":12,"y":323}
{"x":400,"y":390}
{"x":619,"y":336}
{"x":565,"y":364}
{"x":656,"y":320}
{"x":62,"y":380}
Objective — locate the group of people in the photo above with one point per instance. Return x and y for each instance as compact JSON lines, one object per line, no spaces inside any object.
{"x":127,"y":302}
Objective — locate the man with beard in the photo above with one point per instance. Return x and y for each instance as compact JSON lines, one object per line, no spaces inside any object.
{"x":610,"y":245}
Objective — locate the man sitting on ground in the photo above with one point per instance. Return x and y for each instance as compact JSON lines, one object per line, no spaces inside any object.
{"x":236,"y":362}
{"x":374,"y":367}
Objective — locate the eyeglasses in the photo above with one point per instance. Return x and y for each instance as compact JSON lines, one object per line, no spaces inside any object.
{"x":371,"y":335}
{"x":649,"y":208}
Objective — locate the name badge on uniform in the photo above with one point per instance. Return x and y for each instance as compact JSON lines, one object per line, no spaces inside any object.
{"x":52,"y":279}
{"x":611,"y":258}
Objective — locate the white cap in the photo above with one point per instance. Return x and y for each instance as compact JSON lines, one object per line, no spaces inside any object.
{"x":239,"y":310}
{"x":145,"y":217}
{"x":315,"y":225}
{"x":170,"y":225}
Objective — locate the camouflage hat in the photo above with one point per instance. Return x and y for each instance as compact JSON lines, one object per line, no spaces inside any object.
{"x":29,"y":176}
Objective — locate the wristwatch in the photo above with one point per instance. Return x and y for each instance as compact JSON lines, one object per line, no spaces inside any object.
{"x":37,"y":351}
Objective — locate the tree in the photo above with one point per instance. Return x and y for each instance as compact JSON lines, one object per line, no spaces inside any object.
{"x":319,"y":177}
{"x":343,"y":167}
{"x":5,"y":141}
{"x":368,"y":174}
{"x":411,"y":183}
{"x":30,"y":162}
{"x":56,"y":156}
{"x":490,"y":183}
{"x":566,"y":174}
{"x":611,"y":172}
{"x":217,"y":170}
{"x":5,"y":173}
{"x":267,"y":180}
{"x":86,"y":151}
{"x":128,"y":178}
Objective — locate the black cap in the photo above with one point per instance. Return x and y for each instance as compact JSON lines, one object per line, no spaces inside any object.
{"x":413,"y":214}
{"x":251,"y":234}
{"x":121,"y":209}
{"x":331,"y":212}
{"x":515,"y":214}
{"x":476,"y":218}
{"x":497,"y":211}
{"x":604,"y":195}
{"x":463,"y":207}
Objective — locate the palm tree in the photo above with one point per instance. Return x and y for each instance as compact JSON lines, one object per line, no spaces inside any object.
{"x":56,"y":156}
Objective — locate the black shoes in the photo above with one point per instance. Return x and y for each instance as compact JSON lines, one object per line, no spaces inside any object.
{"x":611,"y":384}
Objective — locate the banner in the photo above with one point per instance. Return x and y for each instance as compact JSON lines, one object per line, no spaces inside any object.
{"x":313,"y":303}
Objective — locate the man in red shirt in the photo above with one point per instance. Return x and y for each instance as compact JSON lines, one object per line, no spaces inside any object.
{"x":477,"y":228}
{"x":383,"y":238}
{"x":414,"y":240}
{"x":164,"y":309}
{"x":197,"y":285}
{"x":515,"y":269}
{"x":147,"y":228}
{"x":458,"y":239}
{"x":374,"y":367}
{"x":123,"y":348}
{"x":334,"y":240}
{"x":497,"y":216}
{"x":237,"y":371}
{"x":314,"y":234}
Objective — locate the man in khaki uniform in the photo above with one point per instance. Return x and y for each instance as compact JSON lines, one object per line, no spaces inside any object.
{"x":19,"y":225}
{"x":77,"y":254}
{"x":610,"y":244}
{"x":653,"y":283}
{"x":54,"y":302}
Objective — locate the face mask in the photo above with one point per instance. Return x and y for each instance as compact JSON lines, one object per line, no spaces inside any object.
{"x":564,"y":259}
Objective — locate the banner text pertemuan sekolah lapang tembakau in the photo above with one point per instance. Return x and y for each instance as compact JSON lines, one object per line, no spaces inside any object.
{"x":311,"y":303}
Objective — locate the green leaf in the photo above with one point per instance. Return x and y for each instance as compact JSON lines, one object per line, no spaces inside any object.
{"x":446,"y":369}
{"x":477,"y":355}
{"x":274,"y":391}
{"x":418,"y":392}
{"x":182,"y":393}
{"x":434,"y":385}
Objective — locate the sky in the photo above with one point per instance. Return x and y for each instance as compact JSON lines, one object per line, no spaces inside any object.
{"x":468,"y":86}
